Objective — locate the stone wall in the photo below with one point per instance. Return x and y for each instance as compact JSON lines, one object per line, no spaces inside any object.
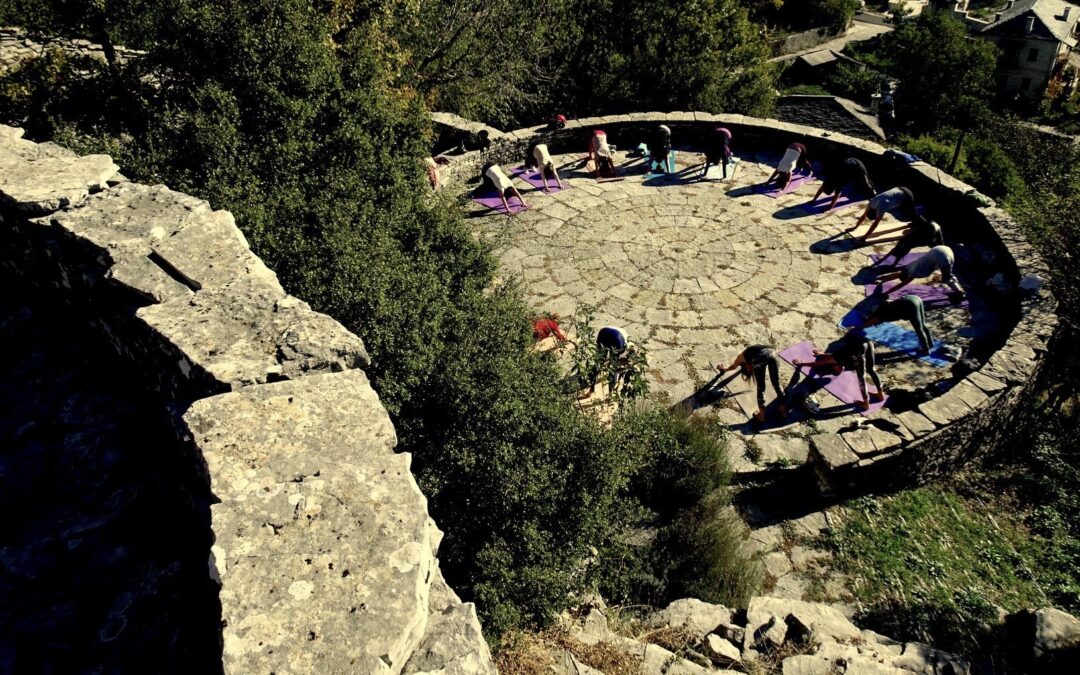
{"x":323,"y":547}
{"x":974,"y":404}
{"x":16,"y":46}
{"x":796,"y":42}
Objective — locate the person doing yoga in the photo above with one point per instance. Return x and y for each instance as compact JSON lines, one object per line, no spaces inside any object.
{"x":600,"y":155}
{"x":718,"y":151}
{"x":495,"y":179}
{"x":538,"y":157}
{"x":794,"y":157}
{"x":939,"y":258}
{"x":660,"y":148}
{"x":854,"y":352}
{"x":755,"y":360}
{"x":849,"y":174}
{"x":896,"y":199}
{"x":908,"y":308}
{"x":922,"y":232}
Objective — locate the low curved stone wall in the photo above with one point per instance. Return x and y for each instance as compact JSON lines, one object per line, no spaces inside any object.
{"x":323,"y":547}
{"x":976,"y":402}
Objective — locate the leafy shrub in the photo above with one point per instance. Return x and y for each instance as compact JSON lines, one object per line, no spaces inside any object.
{"x":930,"y":149}
{"x":991,"y":170}
{"x":854,"y":82}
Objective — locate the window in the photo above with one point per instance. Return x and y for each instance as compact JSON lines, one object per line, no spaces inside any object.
{"x":1025,"y":84}
{"x":1033,"y":55}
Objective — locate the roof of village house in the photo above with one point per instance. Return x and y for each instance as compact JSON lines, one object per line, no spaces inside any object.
{"x":1057,"y":18}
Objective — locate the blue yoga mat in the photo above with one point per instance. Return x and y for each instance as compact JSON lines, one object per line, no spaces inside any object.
{"x":904,"y":340}
{"x":670,"y":163}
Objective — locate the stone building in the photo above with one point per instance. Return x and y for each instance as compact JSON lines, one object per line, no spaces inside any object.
{"x":1037,"y":39}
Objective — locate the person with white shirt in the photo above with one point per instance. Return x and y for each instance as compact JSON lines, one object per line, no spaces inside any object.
{"x":538,"y":157}
{"x":495,"y":178}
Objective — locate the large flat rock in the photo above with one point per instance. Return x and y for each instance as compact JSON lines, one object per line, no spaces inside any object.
{"x":323,"y":544}
{"x":37,"y":178}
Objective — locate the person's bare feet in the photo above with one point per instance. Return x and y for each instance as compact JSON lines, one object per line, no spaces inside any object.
{"x":877,"y":397}
{"x":863,"y":405}
{"x":759,"y":416}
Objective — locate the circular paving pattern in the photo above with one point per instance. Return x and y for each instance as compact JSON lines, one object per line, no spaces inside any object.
{"x":697,"y":270}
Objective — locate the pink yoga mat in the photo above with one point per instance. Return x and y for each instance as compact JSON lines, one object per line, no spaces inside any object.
{"x":534,"y":179}
{"x":796,"y":180}
{"x":844,"y":386}
{"x":932,"y":296}
{"x":492,"y":201}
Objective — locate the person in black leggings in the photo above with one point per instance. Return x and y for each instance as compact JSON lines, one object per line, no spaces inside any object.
{"x":922,"y":232}
{"x":755,"y":360}
{"x":854,"y":352}
{"x":908,"y":308}
{"x":851,"y":173}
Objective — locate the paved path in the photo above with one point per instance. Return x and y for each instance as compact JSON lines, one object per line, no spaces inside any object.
{"x":858,"y":32}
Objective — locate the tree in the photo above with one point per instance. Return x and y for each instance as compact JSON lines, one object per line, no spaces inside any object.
{"x":946,"y":77}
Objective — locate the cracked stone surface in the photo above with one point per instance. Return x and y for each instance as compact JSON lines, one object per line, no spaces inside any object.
{"x":698,"y":270}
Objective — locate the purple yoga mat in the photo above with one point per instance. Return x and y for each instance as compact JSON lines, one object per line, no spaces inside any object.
{"x":844,"y":386}
{"x":875,"y":258}
{"x":932,"y":296}
{"x":796,"y":180}
{"x":822,"y":205}
{"x":492,"y":201}
{"x":534,"y":179}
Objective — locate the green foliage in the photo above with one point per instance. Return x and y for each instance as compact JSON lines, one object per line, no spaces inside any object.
{"x":946,"y":79}
{"x":799,"y":15}
{"x":624,"y":373}
{"x":304,"y":122}
{"x":644,"y":55}
{"x":854,"y":82}
{"x":689,"y":541}
{"x":931,"y":567}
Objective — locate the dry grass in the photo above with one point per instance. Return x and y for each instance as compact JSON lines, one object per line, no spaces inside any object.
{"x":534,"y":654}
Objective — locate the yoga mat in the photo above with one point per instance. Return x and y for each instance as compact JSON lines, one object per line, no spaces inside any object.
{"x":670,"y":165}
{"x":745,"y":394}
{"x":716,"y":173}
{"x":822,"y":205}
{"x":932,"y":296}
{"x":492,"y":201}
{"x":844,"y":386}
{"x":876,"y":258}
{"x":534,"y":179}
{"x":901,"y":339}
{"x":773,"y":191}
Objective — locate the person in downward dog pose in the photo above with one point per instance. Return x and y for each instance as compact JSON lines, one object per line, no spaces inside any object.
{"x":754,"y":361}
{"x":794,"y":157}
{"x":907,"y":308}
{"x":600,"y":155}
{"x":495,"y":179}
{"x":719,"y":151}
{"x":897,"y":199}
{"x":922,"y":232}
{"x":937,"y":259}
{"x":854,"y":352}
{"x":849,"y":174}
{"x":660,"y":148}
{"x":539,"y":158}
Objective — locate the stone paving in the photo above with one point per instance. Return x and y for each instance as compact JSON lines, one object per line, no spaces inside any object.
{"x":698,"y":270}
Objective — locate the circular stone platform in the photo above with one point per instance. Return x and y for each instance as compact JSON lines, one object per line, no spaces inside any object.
{"x":698,"y":270}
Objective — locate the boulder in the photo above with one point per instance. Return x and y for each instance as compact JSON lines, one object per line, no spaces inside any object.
{"x":722,"y":651}
{"x":767,"y":618}
{"x":38,"y":178}
{"x":700,"y":618}
{"x":1054,"y":630}
{"x":452,"y":645}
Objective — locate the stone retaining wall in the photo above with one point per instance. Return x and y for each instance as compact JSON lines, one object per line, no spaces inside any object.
{"x":323,"y":547}
{"x":797,"y":42}
{"x":976,"y":403}
{"x":17,"y":46}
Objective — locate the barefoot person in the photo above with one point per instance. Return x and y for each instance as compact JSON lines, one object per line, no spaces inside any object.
{"x":908,"y":308}
{"x":937,"y":259}
{"x":718,"y":152}
{"x":600,"y":155}
{"x":495,"y":179}
{"x":896,"y":199}
{"x":660,"y":148}
{"x":922,"y":232}
{"x":755,"y":360}
{"x":539,"y":158}
{"x":854,"y":352}
{"x":850,"y":174}
{"x":794,"y":157}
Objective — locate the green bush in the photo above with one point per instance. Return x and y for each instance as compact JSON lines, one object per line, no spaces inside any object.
{"x":991,"y":170}
{"x":854,"y":82}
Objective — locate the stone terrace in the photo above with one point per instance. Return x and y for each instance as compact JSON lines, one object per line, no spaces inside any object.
{"x":697,"y":270}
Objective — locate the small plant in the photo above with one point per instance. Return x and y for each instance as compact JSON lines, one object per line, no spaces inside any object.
{"x":623,"y":371}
